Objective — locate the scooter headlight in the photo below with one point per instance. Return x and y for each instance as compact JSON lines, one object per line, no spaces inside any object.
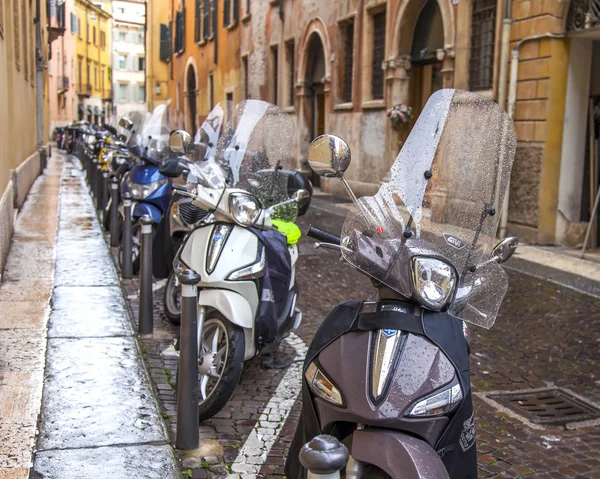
{"x":141,"y":192}
{"x":244,"y":208}
{"x":438,"y":403}
{"x":433,"y":281}
{"x":322,"y":386}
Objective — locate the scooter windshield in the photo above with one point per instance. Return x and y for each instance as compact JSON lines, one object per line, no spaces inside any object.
{"x":442,"y":200}
{"x":255,"y":144}
{"x":155,"y":132}
{"x":207,"y":136}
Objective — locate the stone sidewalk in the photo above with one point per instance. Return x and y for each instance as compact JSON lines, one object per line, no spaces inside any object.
{"x":25,"y":294}
{"x":98,"y":415}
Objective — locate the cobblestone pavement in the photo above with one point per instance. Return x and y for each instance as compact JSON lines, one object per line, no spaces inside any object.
{"x":545,"y":335}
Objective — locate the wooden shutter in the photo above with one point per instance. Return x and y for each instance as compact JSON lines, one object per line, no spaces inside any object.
{"x":226,"y":15}
{"x":206,"y":19}
{"x":236,"y":11}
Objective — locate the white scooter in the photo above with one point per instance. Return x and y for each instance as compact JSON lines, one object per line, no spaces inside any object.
{"x":243,"y":311}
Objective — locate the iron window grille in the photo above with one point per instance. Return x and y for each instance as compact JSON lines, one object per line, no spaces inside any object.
{"x":275,"y":63}
{"x":347,"y":30}
{"x":378,"y":56}
{"x":483,"y":39}
{"x":583,"y":14}
{"x":291,"y":67}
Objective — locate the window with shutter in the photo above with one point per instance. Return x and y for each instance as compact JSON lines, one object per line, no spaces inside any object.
{"x":236,"y":11}
{"x":73,"y":23}
{"x":17,"y":35}
{"x":206,"y":19}
{"x":165,"y":43}
{"x":2,"y":19}
{"x":226,"y":15}
{"x":198,"y":21}
{"x":347,"y":54}
{"x":215,"y":19}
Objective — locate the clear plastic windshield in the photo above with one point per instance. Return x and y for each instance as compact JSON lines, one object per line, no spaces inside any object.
{"x":254,"y":143}
{"x":155,"y":132}
{"x":207,"y":136}
{"x":134,"y":136}
{"x":443,"y":200}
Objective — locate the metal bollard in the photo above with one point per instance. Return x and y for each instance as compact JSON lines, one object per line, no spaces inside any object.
{"x":324,"y":457}
{"x":188,"y":434}
{"x":126,"y":247}
{"x":92,"y":177}
{"x":114,"y":212}
{"x":146,"y":323}
{"x":102,"y":194}
{"x":98,"y":185}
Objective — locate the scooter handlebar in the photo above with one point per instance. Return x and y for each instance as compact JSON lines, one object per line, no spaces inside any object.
{"x":323,"y":236}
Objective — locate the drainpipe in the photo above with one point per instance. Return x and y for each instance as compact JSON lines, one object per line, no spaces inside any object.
{"x":512,"y":100}
{"x":39,"y":80}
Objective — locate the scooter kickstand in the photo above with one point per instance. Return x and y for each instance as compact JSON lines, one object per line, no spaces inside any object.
{"x":273,"y":363}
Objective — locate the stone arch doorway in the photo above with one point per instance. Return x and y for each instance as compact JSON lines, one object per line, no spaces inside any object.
{"x":417,"y":26}
{"x":190,"y":93}
{"x":315,"y":98}
{"x":426,"y":55}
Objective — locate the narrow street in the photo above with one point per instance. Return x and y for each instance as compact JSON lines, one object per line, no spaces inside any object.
{"x":100,"y":413}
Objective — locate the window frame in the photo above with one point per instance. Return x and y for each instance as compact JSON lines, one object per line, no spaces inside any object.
{"x":342,"y":69}
{"x":289,"y":48}
{"x":124,"y":56}
{"x":487,"y":51}
{"x":274,"y":70}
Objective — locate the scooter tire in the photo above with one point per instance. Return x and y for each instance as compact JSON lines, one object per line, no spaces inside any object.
{"x":223,"y":391}
{"x":136,"y":231}
{"x":172,"y":312}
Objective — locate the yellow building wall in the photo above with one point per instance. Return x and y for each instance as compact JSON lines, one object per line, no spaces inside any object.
{"x":89,"y":49}
{"x":157,"y":71}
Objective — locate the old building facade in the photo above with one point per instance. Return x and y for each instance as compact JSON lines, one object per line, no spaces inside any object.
{"x":157,"y":68}
{"x":91,"y":22}
{"x":61,"y":66}
{"x":338,"y":67}
{"x":24,"y":106}
{"x":129,"y":56}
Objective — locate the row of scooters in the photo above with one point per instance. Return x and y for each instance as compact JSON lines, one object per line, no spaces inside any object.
{"x":386,"y":387}
{"x":211,"y":218}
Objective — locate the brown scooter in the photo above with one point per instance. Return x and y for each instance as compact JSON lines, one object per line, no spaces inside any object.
{"x":390,"y":378}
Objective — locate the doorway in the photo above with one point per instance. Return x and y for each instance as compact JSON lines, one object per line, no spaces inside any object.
{"x":426,"y":72}
{"x":315,"y":89}
{"x":191,"y":97}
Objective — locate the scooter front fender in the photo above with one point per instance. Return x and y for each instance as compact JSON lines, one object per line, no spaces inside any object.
{"x":235,"y":308}
{"x":399,"y":455}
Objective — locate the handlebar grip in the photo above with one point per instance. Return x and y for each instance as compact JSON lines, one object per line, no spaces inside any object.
{"x":323,"y":236}
{"x":179,"y":188}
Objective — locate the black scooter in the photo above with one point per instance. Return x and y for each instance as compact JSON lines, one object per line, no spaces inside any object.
{"x":389,"y":378}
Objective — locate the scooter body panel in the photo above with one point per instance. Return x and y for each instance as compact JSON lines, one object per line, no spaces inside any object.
{"x":236,"y":309}
{"x":140,"y":209}
{"x":418,"y":369}
{"x":400,"y":455}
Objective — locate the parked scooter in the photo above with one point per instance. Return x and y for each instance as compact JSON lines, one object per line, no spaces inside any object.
{"x":390,"y":378}
{"x":248,"y":292}
{"x":150,"y":190}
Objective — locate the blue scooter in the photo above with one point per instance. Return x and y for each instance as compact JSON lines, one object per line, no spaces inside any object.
{"x":150,"y":194}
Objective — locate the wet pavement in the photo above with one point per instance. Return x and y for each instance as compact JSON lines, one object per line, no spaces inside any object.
{"x":24,"y":306}
{"x":545,"y":335}
{"x":98,"y":417}
{"x":99,"y":414}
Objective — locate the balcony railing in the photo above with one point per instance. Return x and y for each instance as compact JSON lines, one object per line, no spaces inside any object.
{"x":57,"y":23}
{"x":84,"y":89}
{"x":62,"y":84}
{"x":583,"y":14}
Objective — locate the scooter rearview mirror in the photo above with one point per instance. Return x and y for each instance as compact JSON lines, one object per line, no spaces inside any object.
{"x":180,"y":141}
{"x":505,"y":249}
{"x":329,"y":156}
{"x":126,"y":123}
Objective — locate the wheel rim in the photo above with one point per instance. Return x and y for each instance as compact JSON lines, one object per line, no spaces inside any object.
{"x":212,"y":357}
{"x":174,"y":296}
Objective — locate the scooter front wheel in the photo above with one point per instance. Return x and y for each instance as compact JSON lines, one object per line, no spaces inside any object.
{"x":220,"y":363}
